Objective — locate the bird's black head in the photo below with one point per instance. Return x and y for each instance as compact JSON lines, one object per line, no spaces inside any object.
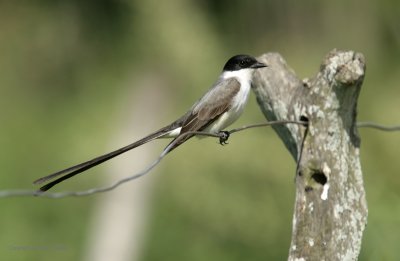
{"x":242,"y":61}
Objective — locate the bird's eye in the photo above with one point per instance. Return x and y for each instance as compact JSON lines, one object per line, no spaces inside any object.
{"x":242,"y":63}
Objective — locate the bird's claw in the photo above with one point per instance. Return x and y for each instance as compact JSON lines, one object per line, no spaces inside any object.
{"x":223,"y":137}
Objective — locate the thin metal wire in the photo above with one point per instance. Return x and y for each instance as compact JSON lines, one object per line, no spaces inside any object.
{"x":373,"y":125}
{"x":29,"y":193}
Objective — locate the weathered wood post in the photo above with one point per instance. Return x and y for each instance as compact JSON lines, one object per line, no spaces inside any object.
{"x":330,"y":211}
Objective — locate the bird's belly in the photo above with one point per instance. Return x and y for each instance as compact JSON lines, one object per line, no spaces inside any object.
{"x":230,"y":116}
{"x":223,"y":121}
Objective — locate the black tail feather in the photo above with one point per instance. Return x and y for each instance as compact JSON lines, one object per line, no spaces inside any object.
{"x":74,"y":170}
{"x":91,"y":163}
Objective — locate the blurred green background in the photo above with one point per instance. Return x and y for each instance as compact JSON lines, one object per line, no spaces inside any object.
{"x":66,"y":67}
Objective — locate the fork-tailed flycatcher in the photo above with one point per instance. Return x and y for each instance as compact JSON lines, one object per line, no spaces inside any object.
{"x":217,"y":109}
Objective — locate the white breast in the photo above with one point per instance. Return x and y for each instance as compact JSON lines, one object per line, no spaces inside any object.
{"x":238,"y":103}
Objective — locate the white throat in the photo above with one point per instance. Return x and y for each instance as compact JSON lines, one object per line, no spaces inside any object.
{"x":243,"y":75}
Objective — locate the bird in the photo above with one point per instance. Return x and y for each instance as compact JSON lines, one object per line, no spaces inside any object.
{"x":218,"y":108}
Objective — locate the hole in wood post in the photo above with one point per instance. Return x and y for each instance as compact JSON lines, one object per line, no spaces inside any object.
{"x":319,"y":177}
{"x":305,"y":119}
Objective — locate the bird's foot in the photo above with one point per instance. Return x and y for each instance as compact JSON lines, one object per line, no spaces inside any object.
{"x":223,"y":137}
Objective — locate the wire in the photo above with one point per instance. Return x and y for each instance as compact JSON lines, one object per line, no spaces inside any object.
{"x":29,"y":193}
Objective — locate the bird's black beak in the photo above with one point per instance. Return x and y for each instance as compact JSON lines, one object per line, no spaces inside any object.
{"x":258,"y":65}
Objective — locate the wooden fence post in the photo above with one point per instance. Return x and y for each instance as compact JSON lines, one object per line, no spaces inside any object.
{"x":330,"y":210}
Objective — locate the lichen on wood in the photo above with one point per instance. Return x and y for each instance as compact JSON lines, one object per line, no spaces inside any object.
{"x":330,"y":209}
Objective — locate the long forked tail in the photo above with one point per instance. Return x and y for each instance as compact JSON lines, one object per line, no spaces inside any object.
{"x":74,"y":170}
